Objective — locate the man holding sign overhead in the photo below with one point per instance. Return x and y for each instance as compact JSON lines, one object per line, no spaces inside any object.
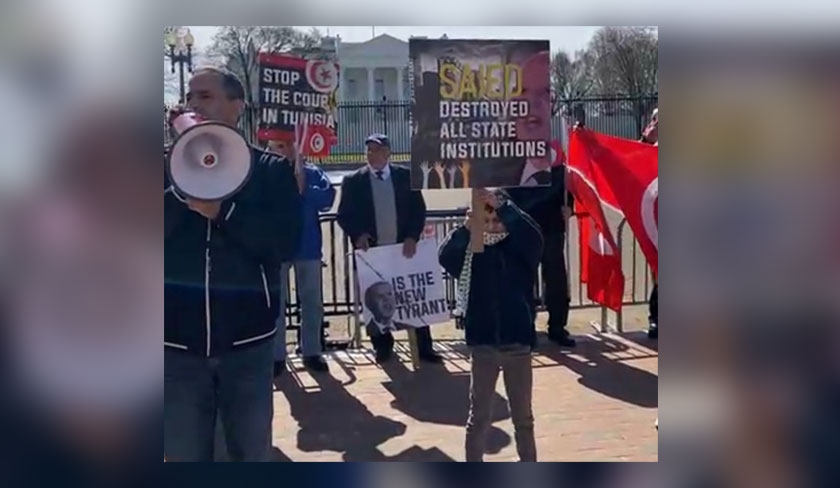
{"x":379,"y":208}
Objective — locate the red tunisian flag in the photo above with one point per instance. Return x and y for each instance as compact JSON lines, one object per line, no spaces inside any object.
{"x":314,"y":141}
{"x":599,"y":255}
{"x":625,"y":175}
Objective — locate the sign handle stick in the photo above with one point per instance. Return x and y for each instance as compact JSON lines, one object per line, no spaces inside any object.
{"x":477,"y":223}
{"x":357,"y":308}
{"x":412,"y":346}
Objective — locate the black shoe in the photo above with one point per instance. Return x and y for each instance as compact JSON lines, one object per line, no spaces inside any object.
{"x":431,"y":357}
{"x":279,"y":368}
{"x":562,"y":339}
{"x":316,"y":363}
{"x":383,"y":355}
{"x":653,"y":331}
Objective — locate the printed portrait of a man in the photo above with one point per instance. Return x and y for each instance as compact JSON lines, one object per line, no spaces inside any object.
{"x":382,"y":304}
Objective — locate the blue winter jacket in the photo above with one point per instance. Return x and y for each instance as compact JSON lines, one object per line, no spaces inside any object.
{"x":318,"y":196}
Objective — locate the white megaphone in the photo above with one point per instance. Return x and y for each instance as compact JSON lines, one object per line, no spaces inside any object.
{"x":209,"y":160}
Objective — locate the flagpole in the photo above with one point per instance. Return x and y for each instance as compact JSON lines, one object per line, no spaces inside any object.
{"x":566,"y":134}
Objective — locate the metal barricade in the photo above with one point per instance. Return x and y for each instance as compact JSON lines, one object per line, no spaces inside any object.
{"x":340,"y":297}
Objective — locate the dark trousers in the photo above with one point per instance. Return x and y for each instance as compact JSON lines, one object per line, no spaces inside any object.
{"x":385,"y":342}
{"x":514,"y":362}
{"x":236,"y":385}
{"x":556,"y":285}
{"x":654,"y":305}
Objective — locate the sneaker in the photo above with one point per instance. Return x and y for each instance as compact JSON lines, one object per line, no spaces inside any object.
{"x":315,"y":363}
{"x":653,"y":331}
{"x":279,"y":368}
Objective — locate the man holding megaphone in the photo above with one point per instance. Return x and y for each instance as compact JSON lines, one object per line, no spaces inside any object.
{"x":231,"y":218}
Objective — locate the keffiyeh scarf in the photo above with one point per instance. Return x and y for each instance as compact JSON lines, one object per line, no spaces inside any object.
{"x":463,"y":292}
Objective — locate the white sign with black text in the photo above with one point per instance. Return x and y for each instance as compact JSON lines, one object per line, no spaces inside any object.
{"x":398,"y":293}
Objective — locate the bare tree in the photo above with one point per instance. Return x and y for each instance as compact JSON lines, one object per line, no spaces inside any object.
{"x":570,"y":78}
{"x":238,"y":47}
{"x":625,"y":61}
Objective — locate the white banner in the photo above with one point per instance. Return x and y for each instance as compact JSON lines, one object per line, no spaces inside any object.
{"x":397,"y":292}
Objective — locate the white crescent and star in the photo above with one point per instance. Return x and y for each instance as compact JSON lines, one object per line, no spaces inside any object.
{"x":598,"y":242}
{"x":650,"y":200}
{"x":316,"y":143}
{"x":322,"y":76}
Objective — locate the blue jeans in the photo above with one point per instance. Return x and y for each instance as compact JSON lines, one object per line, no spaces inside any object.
{"x":237,"y":385}
{"x":308,"y":280}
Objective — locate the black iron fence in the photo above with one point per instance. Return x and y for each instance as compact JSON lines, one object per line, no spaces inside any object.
{"x":618,"y":116}
{"x":341,"y":298}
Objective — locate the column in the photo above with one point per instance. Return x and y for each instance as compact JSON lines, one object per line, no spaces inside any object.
{"x":370,"y":84}
{"x":400,"y":93}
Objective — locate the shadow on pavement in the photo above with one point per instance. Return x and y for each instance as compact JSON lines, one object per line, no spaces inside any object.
{"x":277,"y":456}
{"x":608,"y":376}
{"x":641,"y":338}
{"x":330,"y":418}
{"x":433,"y":394}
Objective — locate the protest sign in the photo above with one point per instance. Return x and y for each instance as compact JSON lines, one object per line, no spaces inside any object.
{"x":399,"y":293}
{"x":295,"y":91}
{"x":481,"y":113}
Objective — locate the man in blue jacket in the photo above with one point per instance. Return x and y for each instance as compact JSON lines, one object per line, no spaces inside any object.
{"x":218,"y":310}
{"x":318,"y":196}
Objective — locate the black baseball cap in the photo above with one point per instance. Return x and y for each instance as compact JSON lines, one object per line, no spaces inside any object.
{"x":380,"y":139}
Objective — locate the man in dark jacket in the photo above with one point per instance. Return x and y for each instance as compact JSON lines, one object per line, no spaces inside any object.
{"x":219,"y":319}
{"x":551,"y":207}
{"x":379,"y":208}
{"x":495,"y":303}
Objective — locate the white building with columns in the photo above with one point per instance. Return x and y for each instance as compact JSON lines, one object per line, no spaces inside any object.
{"x":371,"y":72}
{"x":373,"y":69}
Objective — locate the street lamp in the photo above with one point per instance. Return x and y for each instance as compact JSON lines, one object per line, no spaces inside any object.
{"x":180,"y":52}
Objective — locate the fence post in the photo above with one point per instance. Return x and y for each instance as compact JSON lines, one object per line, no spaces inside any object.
{"x":619,"y":319}
{"x":385,"y":115}
{"x":604,"y":324}
{"x":619,"y":316}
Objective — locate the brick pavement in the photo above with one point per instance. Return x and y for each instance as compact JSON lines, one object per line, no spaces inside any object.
{"x":595,"y":403}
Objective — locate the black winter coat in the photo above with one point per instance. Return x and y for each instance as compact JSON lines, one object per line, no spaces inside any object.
{"x":219,"y":274}
{"x":500,"y":309}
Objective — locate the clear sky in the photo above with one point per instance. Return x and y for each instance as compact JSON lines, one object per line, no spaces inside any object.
{"x":568,"y":39}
